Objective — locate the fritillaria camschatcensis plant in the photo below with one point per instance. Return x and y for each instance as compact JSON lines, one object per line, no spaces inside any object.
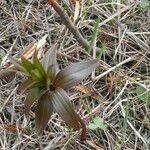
{"x":46,"y":84}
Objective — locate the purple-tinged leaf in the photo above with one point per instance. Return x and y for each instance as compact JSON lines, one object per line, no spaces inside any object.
{"x":41,"y":84}
{"x":29,"y":84}
{"x":32,"y":96}
{"x":50,"y":74}
{"x":50,"y":59}
{"x":63,"y":107}
{"x":74,"y":73}
{"x":22,"y":86}
{"x":43,"y":112}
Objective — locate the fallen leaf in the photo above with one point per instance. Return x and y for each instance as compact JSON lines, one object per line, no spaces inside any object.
{"x":77,"y":9}
{"x":86,"y":90}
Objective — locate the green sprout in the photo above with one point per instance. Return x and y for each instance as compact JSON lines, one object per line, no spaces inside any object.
{"x":46,"y":85}
{"x":97,"y":123}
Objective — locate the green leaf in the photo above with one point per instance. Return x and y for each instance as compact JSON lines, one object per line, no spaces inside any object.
{"x":102,"y":51}
{"x":143,"y":94}
{"x":92,"y":126}
{"x":27,"y":64}
{"x":97,"y":123}
{"x":94,"y":35}
{"x":36,"y":75}
{"x":32,"y":96}
{"x":38,"y":65}
{"x":74,"y":73}
{"x":17,"y":64}
{"x":50,"y":59}
{"x":144,"y":4}
{"x":63,"y":107}
{"x":43,"y":112}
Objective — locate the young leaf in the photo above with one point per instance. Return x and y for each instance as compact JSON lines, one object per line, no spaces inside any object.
{"x":50,"y":59}
{"x":43,"y":112}
{"x":32,"y":96}
{"x":92,"y":126}
{"x":27,"y":64}
{"x":97,"y":123}
{"x":63,"y":107}
{"x":38,"y":65}
{"x":102,"y":51}
{"x":94,"y":35}
{"x":36,"y":75}
{"x":74,"y":73}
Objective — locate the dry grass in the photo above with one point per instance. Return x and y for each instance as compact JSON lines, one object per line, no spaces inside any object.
{"x":124,"y":34}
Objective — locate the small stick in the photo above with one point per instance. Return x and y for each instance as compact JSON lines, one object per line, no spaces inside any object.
{"x":65,"y":18}
{"x":113,"y":68}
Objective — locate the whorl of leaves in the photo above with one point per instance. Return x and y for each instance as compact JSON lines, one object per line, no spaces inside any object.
{"x":46,"y":85}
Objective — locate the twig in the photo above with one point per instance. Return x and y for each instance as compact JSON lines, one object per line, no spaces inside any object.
{"x":113,"y":68}
{"x":65,"y":18}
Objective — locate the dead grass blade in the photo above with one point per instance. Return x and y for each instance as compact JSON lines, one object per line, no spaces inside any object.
{"x":77,"y":10}
{"x":13,"y":128}
{"x":93,"y":145}
{"x":86,"y":90}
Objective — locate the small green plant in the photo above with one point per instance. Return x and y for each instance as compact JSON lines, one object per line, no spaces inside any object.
{"x":94,"y":35}
{"x":97,"y":123}
{"x":143,"y":94}
{"x":46,"y":85}
{"x":102,"y":51}
{"x":144,"y":4}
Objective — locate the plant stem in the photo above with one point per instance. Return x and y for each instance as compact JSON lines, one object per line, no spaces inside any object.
{"x":83,"y":133}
